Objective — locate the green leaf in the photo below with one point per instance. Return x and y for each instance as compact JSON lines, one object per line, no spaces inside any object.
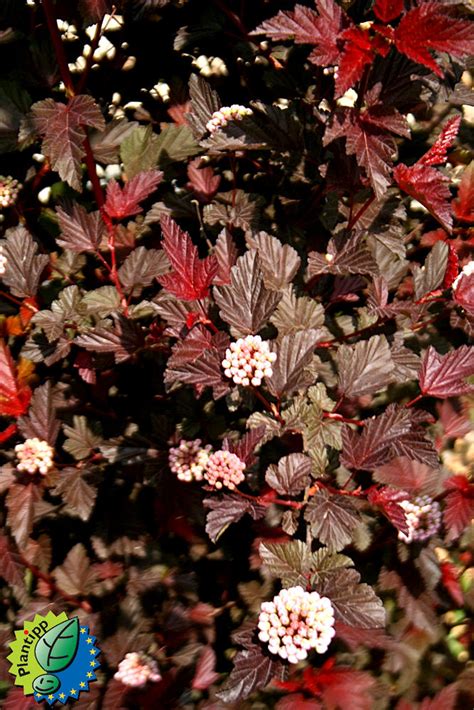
{"x":57,"y":649}
{"x":175,"y":143}
{"x":290,"y":562}
{"x":139,"y":151}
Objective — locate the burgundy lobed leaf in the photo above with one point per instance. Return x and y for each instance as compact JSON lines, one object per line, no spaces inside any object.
{"x":291,"y":475}
{"x":444,"y":700}
{"x":332,"y":519}
{"x":94,"y":10}
{"x":366,"y":367}
{"x":438,"y":153}
{"x":352,"y":257}
{"x":41,"y":421}
{"x":459,"y":506}
{"x":24,"y":265}
{"x":76,"y":493}
{"x":433,"y":26}
{"x":252,"y":670}
{"x":62,"y":128}
{"x":355,"y":604}
{"x":420,"y":610}
{"x":191,"y":276}
{"x":346,"y":688}
{"x":409,"y":475}
{"x":205,"y":674}
{"x":228,"y":509}
{"x":80,"y":230}
{"x":245,"y":447}
{"x":388,"y":500}
{"x":444,"y":375}
{"x":125,"y":202}
{"x":202,"y":181}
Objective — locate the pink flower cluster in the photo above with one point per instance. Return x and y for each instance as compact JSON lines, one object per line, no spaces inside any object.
{"x":192,"y":462}
{"x":248,"y":361}
{"x":295,"y":622}
{"x":221,"y":118}
{"x":423,"y":517}
{"x":224,"y":469}
{"x":3,"y":261}
{"x":189,"y":459}
{"x":9,"y":189}
{"x":137,"y":669}
{"x":34,"y":456}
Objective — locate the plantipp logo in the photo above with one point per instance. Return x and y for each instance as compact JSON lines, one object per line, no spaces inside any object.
{"x":54,"y":658}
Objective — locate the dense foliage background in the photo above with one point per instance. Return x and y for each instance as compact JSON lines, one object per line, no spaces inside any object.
{"x":330,"y":211}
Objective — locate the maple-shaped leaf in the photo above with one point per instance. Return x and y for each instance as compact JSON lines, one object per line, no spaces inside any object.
{"x":80,"y":440}
{"x":228,"y":509}
{"x":459,"y":506}
{"x":306,"y":26}
{"x":430,"y":276}
{"x":226,"y":254}
{"x":124,"y":202}
{"x":279,"y":262}
{"x":387,"y":10}
{"x":13,"y":568}
{"x":291,"y":475}
{"x":204,"y":102}
{"x":122,"y":339}
{"x":430,"y":27}
{"x":141,"y":267}
{"x":295,"y":313}
{"x":252,"y":671}
{"x":444,"y":375}
{"x":409,"y":475}
{"x":357,"y":53}
{"x":198,"y":362}
{"x":24,"y":265}
{"x":364,"y":368}
{"x":428,"y":186}
{"x":78,"y":495}
{"x":41,"y":420}
{"x":191,"y":276}
{"x":76,"y":575}
{"x":14,"y":395}
{"x":352,"y":257}
{"x":245,"y":447}
{"x":332,"y":519}
{"x":62,"y":128}
{"x":80,"y":230}
{"x":202,"y":181}
{"x":354,"y":603}
{"x":291,"y":561}
{"x":246,"y":304}
{"x":21,"y":503}
{"x":463,"y":205}
{"x":393,"y":433}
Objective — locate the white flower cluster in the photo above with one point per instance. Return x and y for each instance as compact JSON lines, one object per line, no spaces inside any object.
{"x":189,"y":460}
{"x":34,"y":456}
{"x":224,"y":469}
{"x":221,"y":118}
{"x":423,"y":517}
{"x":295,"y":622}
{"x":9,"y":189}
{"x":468,"y":270}
{"x":248,"y":361}
{"x":137,"y":669}
{"x":3,"y":261}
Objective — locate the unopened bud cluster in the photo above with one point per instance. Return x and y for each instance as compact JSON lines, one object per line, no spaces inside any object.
{"x":3,"y":261}
{"x":249,"y":360}
{"x":137,"y":669}
{"x":224,"y":469}
{"x":423,"y":517}
{"x":34,"y":456}
{"x":296,"y":622}
{"x":221,"y":118}
{"x":189,"y":459}
{"x":9,"y":189}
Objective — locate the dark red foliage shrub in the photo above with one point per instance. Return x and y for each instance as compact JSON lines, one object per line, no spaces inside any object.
{"x":236,"y":379}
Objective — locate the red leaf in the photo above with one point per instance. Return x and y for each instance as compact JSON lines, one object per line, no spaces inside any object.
{"x":296,"y":701}
{"x":444,"y":375}
{"x":463,"y":206}
{"x":459,"y":506}
{"x":7,"y":433}
{"x":450,"y":580}
{"x":428,"y":186}
{"x":432,"y":26}
{"x":357,"y":54}
{"x":463,"y":290}
{"x":387,"y":10}
{"x":388,"y":500}
{"x":191,"y":276}
{"x":205,"y":674}
{"x":438,"y":153}
{"x":124,"y":202}
{"x":306,"y":26}
{"x":62,"y":128}
{"x":444,"y":700}
{"x":346,"y":688}
{"x":14,"y":397}
{"x":202,"y":181}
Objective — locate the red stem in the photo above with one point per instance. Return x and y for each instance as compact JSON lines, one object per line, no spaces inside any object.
{"x":268,"y":405}
{"x":414,"y":400}
{"x":340,"y":418}
{"x":58,"y":47}
{"x":359,"y":214}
